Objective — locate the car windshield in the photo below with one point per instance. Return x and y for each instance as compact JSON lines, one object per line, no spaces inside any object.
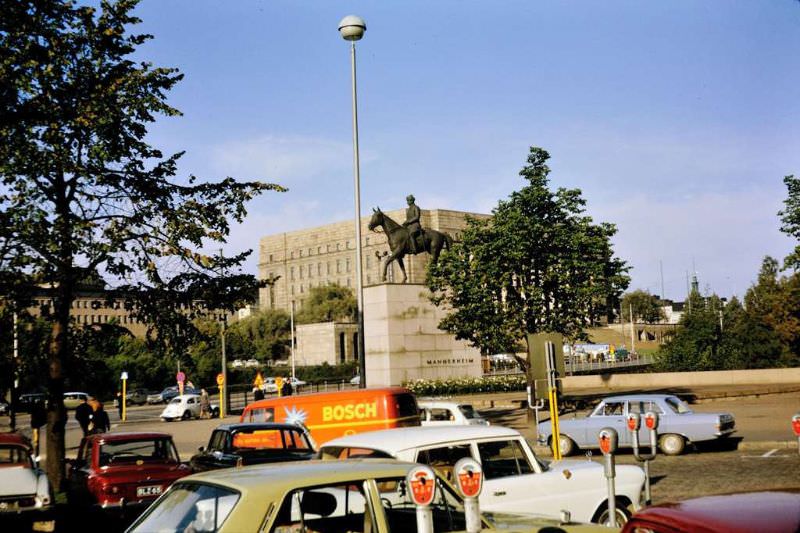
{"x":14,"y":455}
{"x":138,"y":451}
{"x":189,"y":507}
{"x":677,"y":405}
{"x":259,"y":439}
{"x":468,"y":411}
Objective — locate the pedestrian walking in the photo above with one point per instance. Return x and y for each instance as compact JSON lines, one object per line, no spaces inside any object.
{"x":205,"y":404}
{"x":83,"y":414}
{"x":258,"y":394}
{"x":99,"y":422}
{"x":119,"y":404}
{"x":286,"y":388}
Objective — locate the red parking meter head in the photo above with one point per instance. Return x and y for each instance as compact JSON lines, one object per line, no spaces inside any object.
{"x":607,"y":438}
{"x":634,"y":421}
{"x":796,"y":424}
{"x":469,"y":477}
{"x":651,"y":420}
{"x":422,"y":482}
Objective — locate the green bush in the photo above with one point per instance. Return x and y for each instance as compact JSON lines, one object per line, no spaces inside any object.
{"x":424,"y":387}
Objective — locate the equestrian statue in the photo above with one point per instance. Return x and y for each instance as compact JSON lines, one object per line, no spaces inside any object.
{"x":408,"y":238}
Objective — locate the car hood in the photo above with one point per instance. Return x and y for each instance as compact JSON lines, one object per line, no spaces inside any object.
{"x":17,"y":480}
{"x":581,"y":467}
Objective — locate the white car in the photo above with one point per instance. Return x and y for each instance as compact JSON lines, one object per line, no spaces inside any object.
{"x":516,"y":481}
{"x":251,"y":363}
{"x":237,"y":363}
{"x":26,"y":500}
{"x":356,"y":380}
{"x":185,"y":406}
{"x":449,"y":413}
{"x":270,"y":385}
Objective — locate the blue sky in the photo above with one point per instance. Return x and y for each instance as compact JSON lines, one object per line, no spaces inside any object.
{"x":677,"y":120}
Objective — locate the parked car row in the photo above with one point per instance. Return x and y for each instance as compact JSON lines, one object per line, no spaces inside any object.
{"x":355,"y":479}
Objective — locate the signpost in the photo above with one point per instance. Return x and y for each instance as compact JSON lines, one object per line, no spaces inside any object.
{"x":221,"y":382}
{"x":279,"y":385}
{"x":124,"y":397}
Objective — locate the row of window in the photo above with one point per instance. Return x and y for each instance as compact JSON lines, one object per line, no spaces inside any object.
{"x":311,"y":270}
{"x":328,"y":248}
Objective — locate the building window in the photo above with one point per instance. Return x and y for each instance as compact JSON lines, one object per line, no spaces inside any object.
{"x":319,"y":269}
{"x":319,"y":250}
{"x":337,"y":246}
{"x":348,"y":282}
{"x":367,"y":261}
{"x":270,"y":258}
{"x":300,"y":268}
{"x":309,"y":252}
{"x":327,"y":247}
{"x":301,"y":289}
{"x":338,"y":266}
{"x":367,"y":241}
{"x":328,"y":268}
{"x":347,"y":265}
{"x":310,"y":271}
{"x":291,"y":273}
{"x":291,"y":291}
{"x":291,"y":254}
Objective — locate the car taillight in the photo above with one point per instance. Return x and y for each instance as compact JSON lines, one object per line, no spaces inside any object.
{"x":110,"y":489}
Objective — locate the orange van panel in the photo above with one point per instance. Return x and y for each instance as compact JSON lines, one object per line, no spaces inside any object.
{"x":329,"y":415}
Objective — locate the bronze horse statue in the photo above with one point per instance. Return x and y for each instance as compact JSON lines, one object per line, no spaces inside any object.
{"x":399,"y":244}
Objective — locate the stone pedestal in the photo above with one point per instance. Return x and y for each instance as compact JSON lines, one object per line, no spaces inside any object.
{"x":402,"y":341}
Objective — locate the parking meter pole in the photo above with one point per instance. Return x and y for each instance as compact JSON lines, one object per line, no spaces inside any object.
{"x":552,"y":395}
{"x":424,"y":519}
{"x":468,"y":475}
{"x":607,"y":438}
{"x":422,"y":483}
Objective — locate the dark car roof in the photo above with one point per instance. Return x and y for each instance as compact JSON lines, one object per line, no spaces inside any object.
{"x":257,"y":425}
{"x":765,"y":512}
{"x":131,"y":435}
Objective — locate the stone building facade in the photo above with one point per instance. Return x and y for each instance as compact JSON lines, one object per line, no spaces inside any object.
{"x":302,"y":259}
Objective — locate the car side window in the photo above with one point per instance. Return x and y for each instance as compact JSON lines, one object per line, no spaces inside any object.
{"x":503,"y":458}
{"x":217,"y":441}
{"x":444,"y":459}
{"x":325,"y":508}
{"x":612,"y":409}
{"x":641,"y":407}
{"x":441,"y":414}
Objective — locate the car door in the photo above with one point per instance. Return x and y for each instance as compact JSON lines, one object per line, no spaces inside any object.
{"x":641,"y":407}
{"x":609,"y":414}
{"x":511,"y":479}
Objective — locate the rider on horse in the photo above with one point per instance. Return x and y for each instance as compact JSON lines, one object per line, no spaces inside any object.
{"x":412,"y":223}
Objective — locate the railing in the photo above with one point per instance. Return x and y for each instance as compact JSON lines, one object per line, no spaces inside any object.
{"x":574,"y":365}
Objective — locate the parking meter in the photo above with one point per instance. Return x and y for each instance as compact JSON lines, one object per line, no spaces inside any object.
{"x":796,"y":428}
{"x":651,"y":420}
{"x":634,"y":422}
{"x":422,"y":484}
{"x":607,"y":438}
{"x":469,"y":482}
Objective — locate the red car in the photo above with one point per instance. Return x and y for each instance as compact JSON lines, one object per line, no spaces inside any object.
{"x":122,"y":469}
{"x":764,"y":512}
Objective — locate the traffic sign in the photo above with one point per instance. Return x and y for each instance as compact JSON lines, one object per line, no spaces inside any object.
{"x":180,"y":377}
{"x":220,"y":379}
{"x":259,"y":381}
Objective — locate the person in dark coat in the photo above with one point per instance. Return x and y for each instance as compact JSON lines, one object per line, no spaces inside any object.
{"x":83,"y":414}
{"x":100,"y":422}
{"x":286,"y":388}
{"x":258,"y":394}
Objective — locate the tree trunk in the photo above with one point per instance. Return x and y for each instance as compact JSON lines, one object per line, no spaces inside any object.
{"x":56,"y":414}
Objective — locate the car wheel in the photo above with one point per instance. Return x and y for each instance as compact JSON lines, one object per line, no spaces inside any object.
{"x":672,"y":444}
{"x":166,"y":419}
{"x":186,"y":415}
{"x":622,"y":513}
{"x":567,"y":445}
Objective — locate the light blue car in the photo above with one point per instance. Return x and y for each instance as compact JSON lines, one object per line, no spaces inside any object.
{"x":677,"y":424}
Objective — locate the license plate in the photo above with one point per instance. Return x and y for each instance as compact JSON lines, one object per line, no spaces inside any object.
{"x":150,"y":490}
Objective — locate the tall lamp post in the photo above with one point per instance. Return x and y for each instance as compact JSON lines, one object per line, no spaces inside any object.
{"x":352,"y":29}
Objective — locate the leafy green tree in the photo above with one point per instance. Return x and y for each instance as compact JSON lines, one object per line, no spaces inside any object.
{"x":646,"y":307}
{"x":264,"y":335}
{"x":327,"y":303}
{"x":790,"y":219}
{"x":540,"y":264}
{"x":696,"y":344}
{"x":83,"y":190}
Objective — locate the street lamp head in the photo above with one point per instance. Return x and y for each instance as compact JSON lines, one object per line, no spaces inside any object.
{"x":352,"y":28}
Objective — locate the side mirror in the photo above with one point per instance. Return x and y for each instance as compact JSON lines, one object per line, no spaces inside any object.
{"x":201,"y":448}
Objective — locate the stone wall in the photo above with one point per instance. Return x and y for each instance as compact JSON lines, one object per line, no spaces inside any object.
{"x":769,"y":376}
{"x":327,"y":342}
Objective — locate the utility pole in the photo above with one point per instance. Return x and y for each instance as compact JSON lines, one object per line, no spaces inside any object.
{"x":223,"y":393}
{"x":15,"y":387}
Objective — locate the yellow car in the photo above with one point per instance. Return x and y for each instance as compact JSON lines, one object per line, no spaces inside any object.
{"x":358,"y":496}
